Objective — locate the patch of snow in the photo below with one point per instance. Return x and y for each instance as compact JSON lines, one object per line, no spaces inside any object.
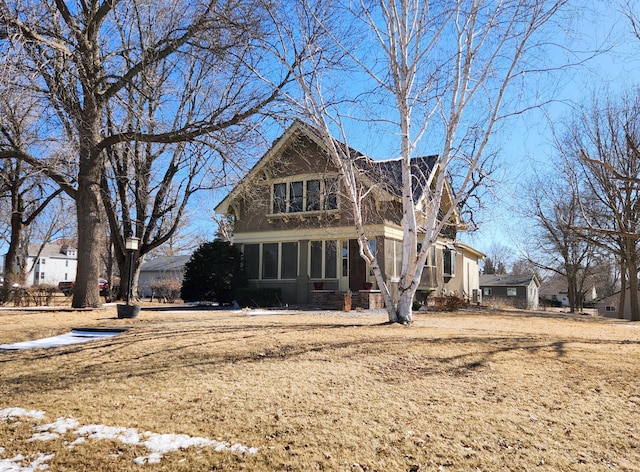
{"x":11,"y":413}
{"x":157,"y":444}
{"x":44,"y":437}
{"x":60,"y":426}
{"x":15,"y":464}
{"x":73,"y":337}
{"x":99,"y":431}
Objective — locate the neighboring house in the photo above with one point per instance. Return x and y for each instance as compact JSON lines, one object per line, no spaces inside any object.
{"x":520,"y":291}
{"x":610,"y":306}
{"x":555,"y":292}
{"x":159,"y":269}
{"x":297,"y":232}
{"x":50,"y":264}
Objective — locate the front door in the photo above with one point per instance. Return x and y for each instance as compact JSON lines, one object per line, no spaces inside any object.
{"x":357,"y":267}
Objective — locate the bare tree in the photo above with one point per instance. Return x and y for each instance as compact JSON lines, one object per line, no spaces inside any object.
{"x":27,"y":191}
{"x":561,"y":248}
{"x":603,"y":144}
{"x":79,"y":59}
{"x":431,"y":73}
{"x":498,"y":256}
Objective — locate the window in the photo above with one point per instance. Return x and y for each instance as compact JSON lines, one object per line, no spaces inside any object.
{"x":296,"y":197}
{"x":330,"y":259}
{"x":279,"y":198}
{"x":252,"y":260}
{"x":313,"y":195}
{"x":42,"y":261}
{"x":316,"y":259}
{"x":449,"y":262}
{"x":345,"y":258}
{"x":487,"y":291}
{"x":289,"y":261}
{"x":431,"y":257}
{"x":512,"y":291}
{"x":270,"y":261}
{"x":324,"y":259}
{"x":41,"y":275}
{"x":309,"y":195}
{"x":610,"y":308}
{"x":331,"y":194}
{"x":397,"y":259}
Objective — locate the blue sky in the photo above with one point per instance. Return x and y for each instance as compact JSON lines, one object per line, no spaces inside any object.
{"x":527,"y":146}
{"x":525,"y":143}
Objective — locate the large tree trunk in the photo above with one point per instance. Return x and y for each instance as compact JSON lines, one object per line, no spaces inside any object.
{"x":632,"y":266}
{"x":12,"y":273}
{"x":90,"y":232}
{"x":623,"y":285}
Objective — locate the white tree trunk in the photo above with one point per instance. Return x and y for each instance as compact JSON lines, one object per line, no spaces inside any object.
{"x":446,"y":64}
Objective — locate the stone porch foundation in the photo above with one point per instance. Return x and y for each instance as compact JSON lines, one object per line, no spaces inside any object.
{"x":334,"y":299}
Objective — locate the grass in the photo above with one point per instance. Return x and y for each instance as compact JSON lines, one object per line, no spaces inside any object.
{"x":478,"y":391}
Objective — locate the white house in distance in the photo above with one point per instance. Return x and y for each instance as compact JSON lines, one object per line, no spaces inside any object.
{"x":50,"y":264}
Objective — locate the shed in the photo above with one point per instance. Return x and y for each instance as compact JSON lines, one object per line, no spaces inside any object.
{"x":520,"y":291}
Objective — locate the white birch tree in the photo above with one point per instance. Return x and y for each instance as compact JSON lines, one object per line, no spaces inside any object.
{"x":436,"y":74}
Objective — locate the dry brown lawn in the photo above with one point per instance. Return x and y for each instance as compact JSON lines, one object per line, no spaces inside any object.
{"x":470,"y":391}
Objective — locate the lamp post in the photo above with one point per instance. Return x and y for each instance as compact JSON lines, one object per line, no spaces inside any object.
{"x":131,"y":244}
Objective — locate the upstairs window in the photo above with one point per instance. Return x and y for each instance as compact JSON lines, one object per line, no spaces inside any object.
{"x":305,"y":195}
{"x":279,"y":198}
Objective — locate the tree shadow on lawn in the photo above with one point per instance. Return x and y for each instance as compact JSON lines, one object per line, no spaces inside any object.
{"x":140,"y":353}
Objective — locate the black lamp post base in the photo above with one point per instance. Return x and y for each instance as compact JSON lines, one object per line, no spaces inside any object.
{"x":128,"y":311}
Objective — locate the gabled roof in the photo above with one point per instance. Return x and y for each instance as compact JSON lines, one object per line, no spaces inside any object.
{"x":50,"y":250}
{"x":389,"y":174}
{"x":386,"y":174}
{"x":504,"y":280}
{"x":165,"y":263}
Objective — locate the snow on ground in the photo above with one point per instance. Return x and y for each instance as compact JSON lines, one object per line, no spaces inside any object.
{"x":74,"y":337}
{"x":156,"y":444}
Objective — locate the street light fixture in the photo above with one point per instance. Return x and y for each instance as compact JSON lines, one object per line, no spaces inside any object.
{"x":131,"y":244}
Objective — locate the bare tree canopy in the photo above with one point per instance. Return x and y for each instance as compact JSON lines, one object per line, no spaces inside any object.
{"x":431,"y":75}
{"x":602,"y":146}
{"x":199,"y":68}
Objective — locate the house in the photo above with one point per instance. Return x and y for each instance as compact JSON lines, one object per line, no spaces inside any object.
{"x":296,"y":229}
{"x":610,"y":306}
{"x":555,"y":292}
{"x":520,"y":291}
{"x":160,"y":269}
{"x":50,"y":264}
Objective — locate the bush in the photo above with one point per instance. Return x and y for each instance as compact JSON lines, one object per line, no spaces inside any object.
{"x":214,"y":273}
{"x":259,"y":297}
{"x":41,"y":295}
{"x":448,"y":303}
{"x":167,"y":290}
